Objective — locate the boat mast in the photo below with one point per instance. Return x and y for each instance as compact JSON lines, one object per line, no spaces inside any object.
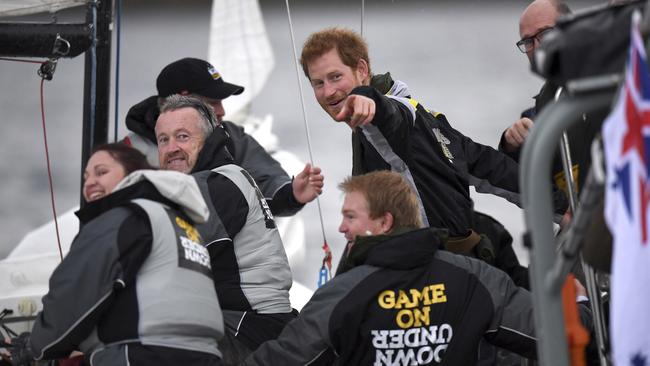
{"x":69,"y":40}
{"x":96,"y":81}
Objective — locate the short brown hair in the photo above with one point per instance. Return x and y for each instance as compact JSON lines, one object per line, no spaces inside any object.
{"x":386,"y":191}
{"x":128,"y":157}
{"x":349,"y":45}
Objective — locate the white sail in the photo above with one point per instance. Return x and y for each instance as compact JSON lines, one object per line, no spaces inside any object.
{"x":25,"y":273}
{"x":239,"y":48}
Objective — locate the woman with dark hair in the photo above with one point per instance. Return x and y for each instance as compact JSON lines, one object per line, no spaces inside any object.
{"x":136,"y":287}
{"x":107,"y":166}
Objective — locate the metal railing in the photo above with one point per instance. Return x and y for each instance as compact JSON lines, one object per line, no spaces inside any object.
{"x":582,"y":97}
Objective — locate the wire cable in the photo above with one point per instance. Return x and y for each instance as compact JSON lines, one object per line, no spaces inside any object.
{"x":327,"y":260}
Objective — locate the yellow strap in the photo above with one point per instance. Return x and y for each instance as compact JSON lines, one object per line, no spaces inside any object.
{"x":415,"y":104}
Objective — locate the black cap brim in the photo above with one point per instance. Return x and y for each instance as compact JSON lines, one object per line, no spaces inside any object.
{"x":221,"y":91}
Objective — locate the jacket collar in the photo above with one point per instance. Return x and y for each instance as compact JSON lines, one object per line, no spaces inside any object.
{"x":385,"y":84}
{"x":215,"y":152}
{"x":382,"y":82}
{"x":405,"y":248}
{"x":121,"y":197}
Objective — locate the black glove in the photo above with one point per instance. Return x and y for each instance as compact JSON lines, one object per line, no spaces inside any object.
{"x":21,"y":350}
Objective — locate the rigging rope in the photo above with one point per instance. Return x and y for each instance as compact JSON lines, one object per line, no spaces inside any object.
{"x":49,"y":171}
{"x":325,"y":273}
{"x":118,"y":26}
{"x":47,"y":153}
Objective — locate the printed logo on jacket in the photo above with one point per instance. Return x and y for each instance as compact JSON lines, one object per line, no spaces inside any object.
{"x":191,"y":254}
{"x":417,"y":341}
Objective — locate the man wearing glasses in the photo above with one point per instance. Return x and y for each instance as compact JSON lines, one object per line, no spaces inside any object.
{"x":536,"y":21}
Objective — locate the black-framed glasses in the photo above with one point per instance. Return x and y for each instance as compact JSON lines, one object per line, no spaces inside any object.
{"x":528,"y":44}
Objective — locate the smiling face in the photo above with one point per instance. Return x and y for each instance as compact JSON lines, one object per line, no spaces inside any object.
{"x":180,"y":139}
{"x":356,"y":218}
{"x":102,"y":174}
{"x":332,"y":80}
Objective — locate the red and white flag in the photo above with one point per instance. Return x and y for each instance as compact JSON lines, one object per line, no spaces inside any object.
{"x":626,"y":135}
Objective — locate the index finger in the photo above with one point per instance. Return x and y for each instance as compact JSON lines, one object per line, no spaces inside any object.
{"x":364,"y":108}
{"x":346,"y":110}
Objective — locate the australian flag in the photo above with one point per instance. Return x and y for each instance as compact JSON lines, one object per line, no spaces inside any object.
{"x":626,"y":135}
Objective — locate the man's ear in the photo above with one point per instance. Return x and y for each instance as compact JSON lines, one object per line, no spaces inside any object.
{"x":362,"y":69}
{"x":387,"y":222}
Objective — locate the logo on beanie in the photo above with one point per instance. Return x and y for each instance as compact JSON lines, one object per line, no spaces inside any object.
{"x":213,"y":72}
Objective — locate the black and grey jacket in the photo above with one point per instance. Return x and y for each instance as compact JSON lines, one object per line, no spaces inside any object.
{"x":136,"y":276}
{"x":438,"y":161}
{"x":272,"y":180}
{"x":250,"y":267}
{"x":405,"y":302}
{"x":500,"y":240}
